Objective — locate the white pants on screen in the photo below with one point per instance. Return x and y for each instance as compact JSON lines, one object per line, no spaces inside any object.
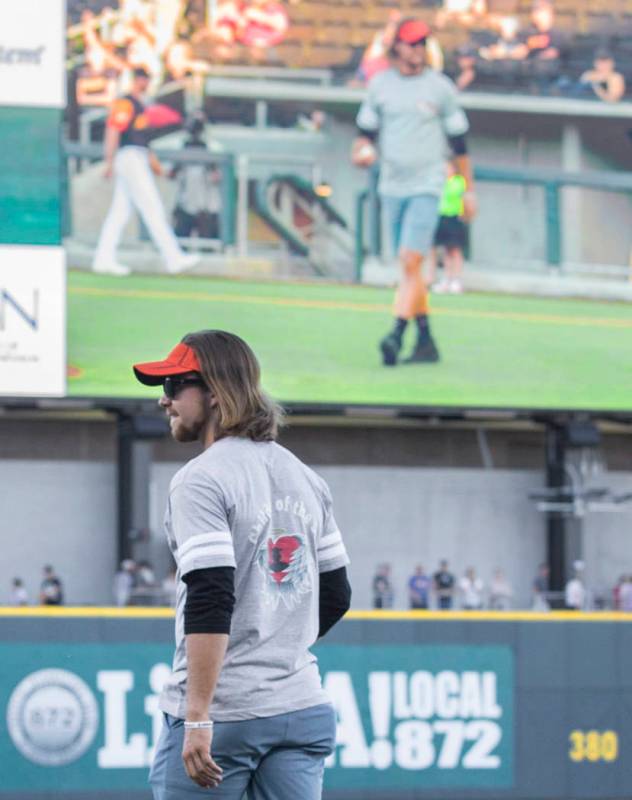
{"x":135,"y":187}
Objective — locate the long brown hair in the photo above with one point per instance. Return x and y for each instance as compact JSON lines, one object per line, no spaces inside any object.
{"x":231,"y":371}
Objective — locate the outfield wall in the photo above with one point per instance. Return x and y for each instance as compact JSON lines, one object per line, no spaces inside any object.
{"x":429,"y":705}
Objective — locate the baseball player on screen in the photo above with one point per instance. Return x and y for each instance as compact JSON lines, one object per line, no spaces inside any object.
{"x":128,"y":158}
{"x":259,"y":556}
{"x":415,"y":112}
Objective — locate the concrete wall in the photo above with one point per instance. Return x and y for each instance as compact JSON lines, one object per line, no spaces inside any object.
{"x":407,"y":516}
{"x":403,"y":495}
{"x":61,"y":513}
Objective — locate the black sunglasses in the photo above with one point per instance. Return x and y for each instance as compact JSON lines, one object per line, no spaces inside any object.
{"x":172,"y":386}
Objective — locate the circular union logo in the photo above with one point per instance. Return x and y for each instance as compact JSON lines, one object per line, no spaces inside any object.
{"x":52,"y":717}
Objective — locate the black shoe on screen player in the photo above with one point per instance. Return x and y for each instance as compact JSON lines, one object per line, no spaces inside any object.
{"x":390,"y":346}
{"x":425,"y":352}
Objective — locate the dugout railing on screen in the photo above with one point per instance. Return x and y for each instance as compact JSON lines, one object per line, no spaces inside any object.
{"x":76,"y":154}
{"x":551,"y":181}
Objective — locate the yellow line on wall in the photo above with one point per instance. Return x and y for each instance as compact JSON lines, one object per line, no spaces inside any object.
{"x":134,"y":612}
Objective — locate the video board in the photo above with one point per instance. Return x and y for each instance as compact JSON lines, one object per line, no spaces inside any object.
{"x":318,"y":341}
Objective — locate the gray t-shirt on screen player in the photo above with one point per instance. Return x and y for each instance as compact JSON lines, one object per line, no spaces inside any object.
{"x":413,"y":115}
{"x":256,"y":507}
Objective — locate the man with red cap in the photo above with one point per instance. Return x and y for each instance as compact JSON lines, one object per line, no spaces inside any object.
{"x":259,"y":556}
{"x":412,"y":113}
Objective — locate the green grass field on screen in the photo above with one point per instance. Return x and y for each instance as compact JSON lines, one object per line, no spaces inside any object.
{"x":317,"y":343}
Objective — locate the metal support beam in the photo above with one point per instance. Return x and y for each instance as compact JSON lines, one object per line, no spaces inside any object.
{"x":135,"y":436}
{"x":555,"y":521}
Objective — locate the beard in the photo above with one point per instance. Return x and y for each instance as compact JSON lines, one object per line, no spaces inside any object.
{"x":187,"y":433}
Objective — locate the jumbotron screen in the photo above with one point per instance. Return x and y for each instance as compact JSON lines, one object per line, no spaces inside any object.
{"x":134,"y":291}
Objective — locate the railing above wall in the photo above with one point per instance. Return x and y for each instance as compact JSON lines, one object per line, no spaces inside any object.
{"x":224,"y":161}
{"x":550,"y":180}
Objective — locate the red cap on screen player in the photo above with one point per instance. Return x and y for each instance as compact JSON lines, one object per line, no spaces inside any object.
{"x":412,"y":31}
{"x":180,"y":360}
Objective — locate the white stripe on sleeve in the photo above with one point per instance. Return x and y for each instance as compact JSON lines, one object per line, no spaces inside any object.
{"x":335,"y":551}
{"x":201,"y":539}
{"x":329,"y":540}
{"x":200,"y":558}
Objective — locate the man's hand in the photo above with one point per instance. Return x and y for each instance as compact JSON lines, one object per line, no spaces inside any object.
{"x":470,"y":206}
{"x":108,"y":171}
{"x":196,"y":754}
{"x":363,"y":152}
{"x":156,"y":166}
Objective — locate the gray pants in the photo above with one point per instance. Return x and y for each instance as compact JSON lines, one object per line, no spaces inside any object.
{"x":274,"y":758}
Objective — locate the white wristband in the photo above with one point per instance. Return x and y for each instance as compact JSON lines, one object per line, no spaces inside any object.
{"x":205,"y":725}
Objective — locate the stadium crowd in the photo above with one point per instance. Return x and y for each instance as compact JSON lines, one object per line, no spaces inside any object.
{"x":444,"y":590}
{"x":136,"y":584}
{"x":481,"y":44}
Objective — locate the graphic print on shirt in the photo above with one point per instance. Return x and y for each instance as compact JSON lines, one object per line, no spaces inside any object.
{"x":283,"y":560}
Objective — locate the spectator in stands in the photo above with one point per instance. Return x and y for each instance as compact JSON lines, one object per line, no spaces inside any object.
{"x":419,"y":588}
{"x":541,"y":587}
{"x":575,"y":591}
{"x":603,"y":80}
{"x":375,"y":58}
{"x":503,"y":58}
{"x":450,"y":235}
{"x":225,"y":27}
{"x":461,"y":12}
{"x":170,"y":589}
{"x":18,"y":595}
{"x":471,"y":588}
{"x":544,"y":45}
{"x":97,"y":79}
{"x":264,"y":25}
{"x":382,"y":587}
{"x":625,"y":594}
{"x":616,"y":592}
{"x":466,"y":67}
{"x":444,"y":584}
{"x":51,"y":589}
{"x":124,"y":580}
{"x":500,"y":591}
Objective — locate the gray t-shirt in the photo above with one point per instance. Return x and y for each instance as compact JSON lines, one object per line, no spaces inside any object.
{"x":413,"y":115}
{"x":256,"y":507}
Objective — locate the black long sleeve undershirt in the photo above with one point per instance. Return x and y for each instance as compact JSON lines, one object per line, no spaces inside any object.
{"x":458,"y":145}
{"x":210,"y":600}
{"x":335,"y":598}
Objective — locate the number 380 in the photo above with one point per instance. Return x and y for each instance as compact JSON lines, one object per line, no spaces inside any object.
{"x":593,"y":746}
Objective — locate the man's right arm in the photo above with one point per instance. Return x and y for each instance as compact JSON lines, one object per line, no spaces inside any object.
{"x":363,"y":152}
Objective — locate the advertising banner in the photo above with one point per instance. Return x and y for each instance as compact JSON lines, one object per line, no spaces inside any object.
{"x":408,"y":716}
{"x":32,"y":321}
{"x":32,"y":53}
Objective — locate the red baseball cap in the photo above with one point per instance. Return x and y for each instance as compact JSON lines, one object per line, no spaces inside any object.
{"x":412,"y":31}
{"x":180,"y":360}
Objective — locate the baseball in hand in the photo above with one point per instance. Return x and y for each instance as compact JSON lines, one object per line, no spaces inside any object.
{"x":364,"y":154}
